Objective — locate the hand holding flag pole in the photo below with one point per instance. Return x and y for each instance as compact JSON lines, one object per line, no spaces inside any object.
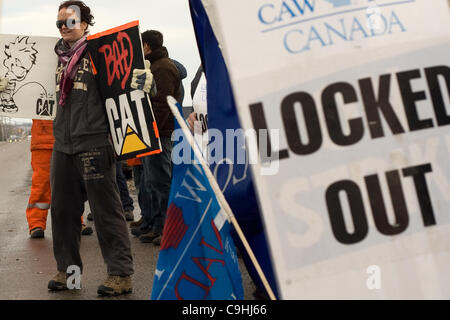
{"x":219,"y":195}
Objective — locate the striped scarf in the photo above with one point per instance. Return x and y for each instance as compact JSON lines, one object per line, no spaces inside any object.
{"x":70,"y":59}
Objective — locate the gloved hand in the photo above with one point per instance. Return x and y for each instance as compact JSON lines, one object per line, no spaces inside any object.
{"x":142,"y":78}
{"x":3,"y":84}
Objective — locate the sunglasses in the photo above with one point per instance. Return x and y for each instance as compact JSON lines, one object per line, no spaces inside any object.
{"x":69,"y":23}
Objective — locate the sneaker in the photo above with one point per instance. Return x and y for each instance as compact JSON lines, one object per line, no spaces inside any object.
{"x":115,"y":285}
{"x":137,"y":223}
{"x":149,"y":236}
{"x":37,"y":233}
{"x":129,"y":216}
{"x":59,"y":282}
{"x":85,"y":230}
{"x":157,"y":240}
{"x":90,"y":217}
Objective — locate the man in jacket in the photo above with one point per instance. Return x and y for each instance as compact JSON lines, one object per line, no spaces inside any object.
{"x":157,"y":169}
{"x":137,"y":163}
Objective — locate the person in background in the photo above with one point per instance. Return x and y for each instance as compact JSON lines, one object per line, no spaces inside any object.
{"x":41,"y":153}
{"x":136,"y":164}
{"x":183,"y":75}
{"x":198,"y":119}
{"x":157,"y":169}
{"x":127,"y":202}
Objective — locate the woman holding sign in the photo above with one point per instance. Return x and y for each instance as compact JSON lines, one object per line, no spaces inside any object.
{"x":83,"y":162}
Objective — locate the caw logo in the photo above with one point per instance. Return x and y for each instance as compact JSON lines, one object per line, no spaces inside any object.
{"x":315,"y":24}
{"x":339,"y":3}
{"x":285,"y":11}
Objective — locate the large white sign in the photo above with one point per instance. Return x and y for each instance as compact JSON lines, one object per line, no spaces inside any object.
{"x":29,"y":63}
{"x":359,"y":91}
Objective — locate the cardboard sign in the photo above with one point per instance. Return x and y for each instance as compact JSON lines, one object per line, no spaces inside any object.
{"x":359,"y":93}
{"x":115,"y":54}
{"x":29,"y":64}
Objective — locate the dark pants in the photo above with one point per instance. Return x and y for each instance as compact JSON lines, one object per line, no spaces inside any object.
{"x":88,"y":176}
{"x":155,"y":186}
{"x":127,"y":202}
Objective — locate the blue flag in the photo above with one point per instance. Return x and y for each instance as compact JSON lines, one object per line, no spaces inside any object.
{"x":197,"y":259}
{"x":233,"y":178}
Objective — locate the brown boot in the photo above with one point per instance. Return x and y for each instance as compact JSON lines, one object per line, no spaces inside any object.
{"x":59,"y":282}
{"x":149,"y":236}
{"x":136,"y":223}
{"x":115,"y":285}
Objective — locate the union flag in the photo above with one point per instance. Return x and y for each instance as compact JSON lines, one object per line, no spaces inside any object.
{"x":197,"y":259}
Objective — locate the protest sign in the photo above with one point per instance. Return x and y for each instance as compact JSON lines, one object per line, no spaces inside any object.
{"x":29,"y":63}
{"x":115,"y":54}
{"x":199,"y":104}
{"x":358,"y":92}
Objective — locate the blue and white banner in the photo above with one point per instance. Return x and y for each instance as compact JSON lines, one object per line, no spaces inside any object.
{"x":234,"y":178}
{"x":198,"y":258}
{"x":359,"y":93}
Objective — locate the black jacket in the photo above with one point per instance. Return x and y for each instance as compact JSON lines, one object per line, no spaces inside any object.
{"x":81,"y":124}
{"x":168,"y":83}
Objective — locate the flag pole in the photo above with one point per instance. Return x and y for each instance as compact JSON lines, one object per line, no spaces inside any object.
{"x":220,"y":197}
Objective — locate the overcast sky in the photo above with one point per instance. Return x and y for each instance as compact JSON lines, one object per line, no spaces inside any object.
{"x":171,"y":17}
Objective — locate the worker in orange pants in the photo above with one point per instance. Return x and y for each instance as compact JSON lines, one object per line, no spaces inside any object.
{"x":39,"y":203}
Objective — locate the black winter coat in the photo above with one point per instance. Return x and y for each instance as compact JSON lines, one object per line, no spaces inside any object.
{"x":168,"y":83}
{"x":81,"y":124}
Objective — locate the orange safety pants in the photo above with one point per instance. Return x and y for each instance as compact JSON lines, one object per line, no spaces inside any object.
{"x":40,"y":197}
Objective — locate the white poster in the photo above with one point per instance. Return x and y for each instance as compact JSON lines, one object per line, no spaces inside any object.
{"x":29,"y":63}
{"x":359,"y":93}
{"x":199,"y":104}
